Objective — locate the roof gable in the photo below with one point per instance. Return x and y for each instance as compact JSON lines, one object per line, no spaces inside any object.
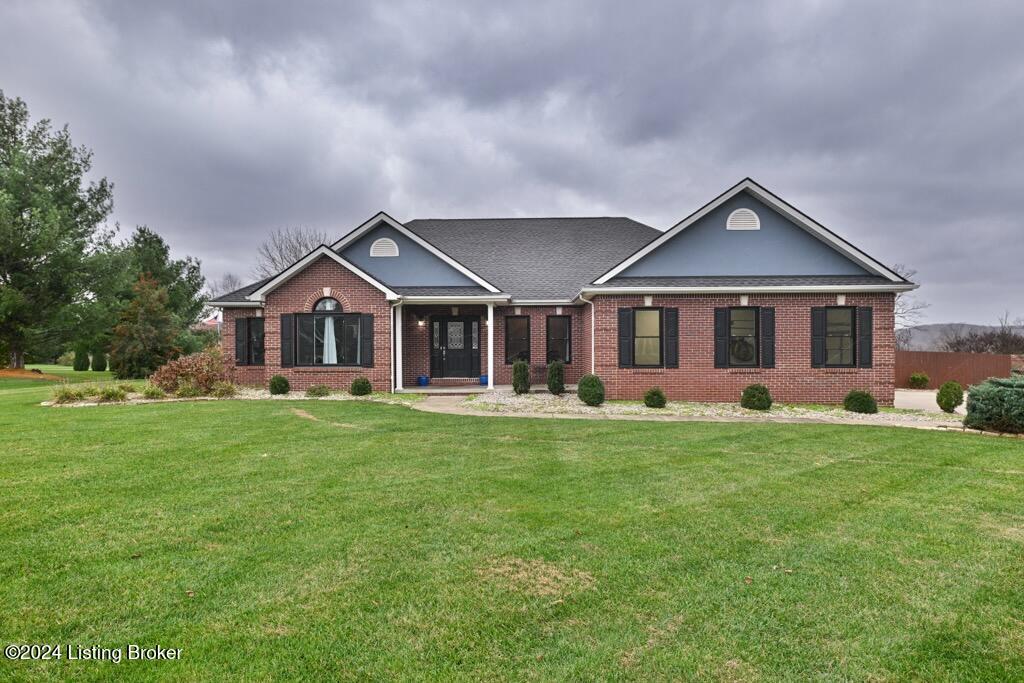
{"x":312,"y":257}
{"x":787,"y":243}
{"x":414,"y":266}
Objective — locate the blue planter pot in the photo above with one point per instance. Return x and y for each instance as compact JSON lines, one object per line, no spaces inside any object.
{"x":483,"y":380}
{"x":423,"y":380}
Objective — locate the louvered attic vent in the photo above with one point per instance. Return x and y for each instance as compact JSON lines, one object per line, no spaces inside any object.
{"x":743,"y":219}
{"x":384,"y":247}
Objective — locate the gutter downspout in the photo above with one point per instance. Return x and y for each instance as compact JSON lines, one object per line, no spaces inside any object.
{"x":593,"y":329}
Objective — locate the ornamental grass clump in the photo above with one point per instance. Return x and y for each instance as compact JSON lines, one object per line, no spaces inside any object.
{"x":112,"y":394}
{"x":318,"y":391}
{"x":521,"y":377}
{"x":188,"y":389}
{"x":67,"y":394}
{"x":203,"y":369}
{"x":360,"y":387}
{"x":153,"y":392}
{"x":590,"y":390}
{"x":223,"y":390}
{"x":756,"y":397}
{"x":997,"y":405}
{"x":655,"y":398}
{"x":950,"y":396}
{"x":860,"y":402}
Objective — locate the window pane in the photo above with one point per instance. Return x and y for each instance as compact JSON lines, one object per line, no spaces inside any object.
{"x":517,"y":339}
{"x":743,"y":337}
{"x":742,"y":351}
{"x":437,"y":334}
{"x":456,"y":335}
{"x":327,"y":305}
{"x":741,"y":322}
{"x":647,"y":351}
{"x":305,"y":340}
{"x":476,"y":335}
{"x":648,"y":324}
{"x":256,"y":341}
{"x":348,"y":352}
{"x":839,"y":321}
{"x":558,"y":339}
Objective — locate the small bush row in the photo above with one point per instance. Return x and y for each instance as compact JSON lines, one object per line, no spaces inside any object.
{"x":279,"y":385}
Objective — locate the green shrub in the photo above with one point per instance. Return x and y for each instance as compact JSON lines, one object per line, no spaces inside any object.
{"x":590,"y":390}
{"x":81,"y":363}
{"x":66,"y":359}
{"x":112,"y":394}
{"x":99,"y":359}
{"x":65,"y":394}
{"x":950,"y":395}
{"x":756,"y":397}
{"x":556,"y":377}
{"x":997,"y":405}
{"x":360,"y":387}
{"x":655,"y":398}
{"x":521,"y":377}
{"x":223,"y":390}
{"x":279,"y":385}
{"x":188,"y":389}
{"x":153,"y":392}
{"x":918,"y":380}
{"x":318,"y":391}
{"x":860,"y":402}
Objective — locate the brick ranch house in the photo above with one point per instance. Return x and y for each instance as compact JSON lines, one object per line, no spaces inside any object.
{"x":745,"y":290}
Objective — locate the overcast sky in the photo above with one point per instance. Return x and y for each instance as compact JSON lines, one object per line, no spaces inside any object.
{"x":898,"y":125}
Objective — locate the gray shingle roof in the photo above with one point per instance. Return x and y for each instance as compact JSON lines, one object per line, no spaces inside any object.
{"x":747,"y":281}
{"x":240,"y":294}
{"x":536,"y":258}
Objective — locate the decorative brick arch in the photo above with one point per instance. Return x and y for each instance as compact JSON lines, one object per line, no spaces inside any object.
{"x":323,"y":292}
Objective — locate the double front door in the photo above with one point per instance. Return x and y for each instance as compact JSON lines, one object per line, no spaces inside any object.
{"x":454,"y":346}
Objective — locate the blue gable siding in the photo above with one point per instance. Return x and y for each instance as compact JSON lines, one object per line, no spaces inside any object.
{"x":413,"y":267}
{"x":779,"y":248}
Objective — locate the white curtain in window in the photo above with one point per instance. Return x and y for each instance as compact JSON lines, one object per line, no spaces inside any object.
{"x":330,"y":348}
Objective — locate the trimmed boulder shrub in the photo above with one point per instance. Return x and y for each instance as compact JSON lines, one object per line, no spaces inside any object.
{"x":203,"y":369}
{"x":318,"y":391}
{"x":81,"y":362}
{"x":860,"y":402}
{"x":360,"y":387}
{"x":521,"y":377}
{"x":756,"y":397}
{"x":918,"y":380}
{"x":997,"y":405}
{"x":279,"y":385}
{"x":950,"y":395}
{"x":655,"y":398}
{"x":556,"y":377}
{"x":590,"y":390}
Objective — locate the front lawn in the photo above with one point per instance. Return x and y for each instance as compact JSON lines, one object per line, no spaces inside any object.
{"x":353,"y":540}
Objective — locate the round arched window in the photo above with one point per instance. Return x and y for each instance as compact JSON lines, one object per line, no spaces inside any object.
{"x":327,"y":304}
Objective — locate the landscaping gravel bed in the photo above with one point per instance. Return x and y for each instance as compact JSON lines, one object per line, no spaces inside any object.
{"x":545,"y":403}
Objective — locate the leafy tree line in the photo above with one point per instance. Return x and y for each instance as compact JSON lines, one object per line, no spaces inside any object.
{"x":65,"y":281}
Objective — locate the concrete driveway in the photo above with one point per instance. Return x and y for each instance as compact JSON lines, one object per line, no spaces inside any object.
{"x":923,"y":399}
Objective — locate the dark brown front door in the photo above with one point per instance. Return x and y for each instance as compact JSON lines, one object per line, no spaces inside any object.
{"x":455,"y":346}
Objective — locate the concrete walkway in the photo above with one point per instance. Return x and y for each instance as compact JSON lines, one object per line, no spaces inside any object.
{"x":922,"y":399}
{"x":455,"y":405}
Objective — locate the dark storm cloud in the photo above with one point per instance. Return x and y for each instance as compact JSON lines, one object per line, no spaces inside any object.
{"x":897,"y":126}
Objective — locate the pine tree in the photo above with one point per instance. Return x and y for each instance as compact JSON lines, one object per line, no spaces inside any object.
{"x":144,"y":338}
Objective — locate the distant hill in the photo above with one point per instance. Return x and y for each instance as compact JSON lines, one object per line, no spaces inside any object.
{"x":930,"y":337}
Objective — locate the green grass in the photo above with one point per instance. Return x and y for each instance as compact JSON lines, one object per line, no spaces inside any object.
{"x":358,"y":540}
{"x":62,"y":371}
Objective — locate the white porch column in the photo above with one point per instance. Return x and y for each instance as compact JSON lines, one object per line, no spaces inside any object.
{"x":490,"y":346}
{"x":398,"y":347}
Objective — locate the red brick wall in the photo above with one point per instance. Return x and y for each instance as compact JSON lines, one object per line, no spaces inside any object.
{"x":792,"y":380}
{"x":299,"y":295}
{"x":538,"y":315}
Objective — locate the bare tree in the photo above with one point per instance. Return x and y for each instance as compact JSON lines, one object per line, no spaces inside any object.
{"x":909,"y":309}
{"x":284,"y":247}
{"x":227,"y":283}
{"x":1007,"y":338}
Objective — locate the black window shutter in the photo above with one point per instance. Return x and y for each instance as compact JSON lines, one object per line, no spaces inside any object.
{"x":817,"y":337}
{"x":865,"y":335}
{"x":671,"y":320}
{"x":366,"y":339}
{"x":767,"y":337}
{"x":241,"y":341}
{"x":625,"y":337}
{"x":721,"y":337}
{"x":287,"y":340}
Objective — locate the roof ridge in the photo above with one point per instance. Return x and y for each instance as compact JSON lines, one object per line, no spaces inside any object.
{"x":528,"y":218}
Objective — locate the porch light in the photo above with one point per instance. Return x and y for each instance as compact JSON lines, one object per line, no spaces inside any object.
{"x":420,"y":322}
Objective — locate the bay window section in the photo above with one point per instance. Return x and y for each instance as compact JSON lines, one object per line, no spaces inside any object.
{"x":328,"y":338}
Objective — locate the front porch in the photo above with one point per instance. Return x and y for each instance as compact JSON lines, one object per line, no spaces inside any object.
{"x":451,"y":344}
